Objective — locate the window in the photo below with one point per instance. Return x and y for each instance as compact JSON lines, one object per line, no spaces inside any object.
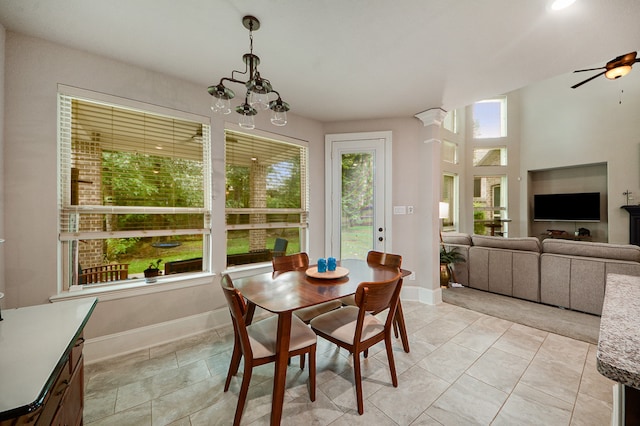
{"x":266,"y":197}
{"x":449,"y":152}
{"x":451,"y":121}
{"x":494,"y":156}
{"x":490,"y":118}
{"x":134,"y":187}
{"x":449,"y":196}
{"x":490,"y":205}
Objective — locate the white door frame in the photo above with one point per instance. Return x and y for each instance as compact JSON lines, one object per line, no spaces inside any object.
{"x":332,"y":139}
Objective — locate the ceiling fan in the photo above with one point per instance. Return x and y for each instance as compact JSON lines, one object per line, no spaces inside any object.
{"x":615,"y":68}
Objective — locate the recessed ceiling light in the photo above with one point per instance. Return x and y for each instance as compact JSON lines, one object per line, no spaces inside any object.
{"x":561,"y":4}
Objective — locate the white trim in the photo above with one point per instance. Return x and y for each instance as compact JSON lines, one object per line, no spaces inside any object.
{"x":133,"y":288}
{"x":113,"y":345}
{"x":92,"y":96}
{"x":105,"y":347}
{"x":388,"y":149}
{"x":428,"y":296}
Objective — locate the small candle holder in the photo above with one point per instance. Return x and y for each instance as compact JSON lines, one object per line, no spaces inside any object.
{"x":322,"y":265}
{"x":331,"y":264}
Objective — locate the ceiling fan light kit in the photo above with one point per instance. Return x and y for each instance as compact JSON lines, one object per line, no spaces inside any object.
{"x":258,"y":89}
{"x":615,"y":68}
{"x":618,"y":72}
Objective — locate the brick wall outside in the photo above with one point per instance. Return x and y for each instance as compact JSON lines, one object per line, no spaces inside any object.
{"x":258,"y":199}
{"x":87,"y":158}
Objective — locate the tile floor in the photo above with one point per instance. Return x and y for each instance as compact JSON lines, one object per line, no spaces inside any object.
{"x":464,"y":368}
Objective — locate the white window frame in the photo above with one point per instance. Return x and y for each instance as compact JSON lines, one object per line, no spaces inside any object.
{"x":66,"y":268}
{"x":303,"y":225}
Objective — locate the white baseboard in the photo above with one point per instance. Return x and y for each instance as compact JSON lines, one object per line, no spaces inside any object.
{"x":104,"y":347}
{"x":428,"y":296}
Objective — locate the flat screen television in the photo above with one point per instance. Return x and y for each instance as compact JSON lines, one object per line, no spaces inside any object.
{"x":576,"y":207}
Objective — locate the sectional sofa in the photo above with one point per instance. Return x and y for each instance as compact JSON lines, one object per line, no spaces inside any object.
{"x":566,"y":273}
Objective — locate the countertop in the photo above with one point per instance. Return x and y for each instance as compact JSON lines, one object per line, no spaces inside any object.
{"x":32,"y":342}
{"x":618,"y":356}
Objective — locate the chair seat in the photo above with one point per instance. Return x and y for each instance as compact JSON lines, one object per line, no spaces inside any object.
{"x":341,"y":324}
{"x":263,"y":336}
{"x":307,"y":314}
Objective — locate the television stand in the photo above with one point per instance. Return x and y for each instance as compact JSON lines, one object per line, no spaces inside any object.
{"x":565,"y":236}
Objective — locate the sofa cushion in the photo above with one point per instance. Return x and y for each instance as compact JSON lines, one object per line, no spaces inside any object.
{"x":590,"y":249}
{"x":523,"y":243}
{"x":456,"y":238}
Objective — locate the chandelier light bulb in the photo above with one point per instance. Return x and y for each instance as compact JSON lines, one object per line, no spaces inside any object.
{"x":246,"y":122}
{"x":221,"y":106}
{"x":279,"y":110}
{"x":259,"y":100}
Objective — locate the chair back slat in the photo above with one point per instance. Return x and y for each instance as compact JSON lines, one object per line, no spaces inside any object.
{"x":238,"y":309}
{"x":292,"y":262}
{"x":379,"y":295}
{"x":384,"y":259}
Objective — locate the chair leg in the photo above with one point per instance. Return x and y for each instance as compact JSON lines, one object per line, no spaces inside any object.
{"x":366,"y":353}
{"x":358,"y":378}
{"x":395,"y":327}
{"x":302,"y":361}
{"x":312,"y":373}
{"x":233,"y":365}
{"x":392,"y":364}
{"x":398,"y":321}
{"x":242,"y":396}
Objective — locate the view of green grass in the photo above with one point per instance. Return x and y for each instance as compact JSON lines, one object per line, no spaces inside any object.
{"x":356,"y":241}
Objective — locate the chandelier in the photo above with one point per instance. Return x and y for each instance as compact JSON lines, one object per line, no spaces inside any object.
{"x":258,"y":89}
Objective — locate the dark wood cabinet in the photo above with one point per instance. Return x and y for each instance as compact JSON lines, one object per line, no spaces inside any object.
{"x":64,"y":401}
{"x":43,"y":364}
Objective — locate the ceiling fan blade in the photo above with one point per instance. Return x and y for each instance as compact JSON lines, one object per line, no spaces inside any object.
{"x":587,"y":80}
{"x":590,"y":69}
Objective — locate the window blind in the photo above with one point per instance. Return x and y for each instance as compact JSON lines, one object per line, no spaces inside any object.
{"x":124,"y":171}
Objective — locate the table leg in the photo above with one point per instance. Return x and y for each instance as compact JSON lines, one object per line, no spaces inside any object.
{"x":280,"y":375}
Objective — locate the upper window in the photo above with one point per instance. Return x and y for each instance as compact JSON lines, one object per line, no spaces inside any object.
{"x":451,"y":121}
{"x":266,"y":197}
{"x":134,"y":191}
{"x":450,"y":197}
{"x":490,"y":118}
{"x":495,"y":156}
{"x":449,"y":152}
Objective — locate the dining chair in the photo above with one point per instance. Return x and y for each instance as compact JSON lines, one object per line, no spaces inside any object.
{"x":356,"y":329}
{"x":395,"y":261}
{"x":280,"y":247}
{"x":300,"y":262}
{"x":257,"y":344}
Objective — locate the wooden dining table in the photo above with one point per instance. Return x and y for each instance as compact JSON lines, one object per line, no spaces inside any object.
{"x":285,"y":292}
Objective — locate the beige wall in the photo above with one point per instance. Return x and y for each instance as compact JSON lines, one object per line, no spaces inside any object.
{"x":33,"y":70}
{"x":564,"y":127}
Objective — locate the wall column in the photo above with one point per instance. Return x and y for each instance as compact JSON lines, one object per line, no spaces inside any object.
{"x":428,"y":245}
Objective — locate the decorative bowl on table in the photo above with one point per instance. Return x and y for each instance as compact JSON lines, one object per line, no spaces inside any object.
{"x":340,"y":272}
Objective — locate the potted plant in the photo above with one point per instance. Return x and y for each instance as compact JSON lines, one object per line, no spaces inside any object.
{"x":152,"y":271}
{"x":447,"y":259}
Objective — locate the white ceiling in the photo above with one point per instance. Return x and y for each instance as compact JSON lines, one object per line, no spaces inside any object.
{"x":348,"y":59}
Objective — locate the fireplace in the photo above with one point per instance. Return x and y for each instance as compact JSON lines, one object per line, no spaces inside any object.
{"x":634,"y":224}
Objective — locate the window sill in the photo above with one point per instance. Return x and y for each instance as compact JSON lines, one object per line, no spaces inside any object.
{"x":249,"y":269}
{"x":134,"y":288}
